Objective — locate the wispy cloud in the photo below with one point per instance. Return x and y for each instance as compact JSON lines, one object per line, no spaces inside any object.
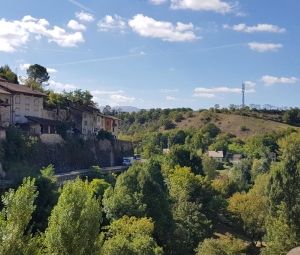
{"x":158,"y":2}
{"x":270,"y":80}
{"x":213,"y":92}
{"x":170,"y":98}
{"x":167,"y":91}
{"x":105,"y":59}
{"x":60,"y":87}
{"x":264,"y":47}
{"x":80,"y":5}
{"x":259,"y":28}
{"x":112,"y":97}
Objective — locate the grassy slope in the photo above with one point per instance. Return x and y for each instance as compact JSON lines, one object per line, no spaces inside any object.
{"x":232,"y":123}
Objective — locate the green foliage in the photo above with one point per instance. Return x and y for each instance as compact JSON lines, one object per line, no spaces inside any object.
{"x":292,"y":116}
{"x":38,"y":73}
{"x":141,"y":192}
{"x":250,"y":209}
{"x":281,"y":236}
{"x":47,"y":198}
{"x":8,"y":74}
{"x":78,"y":96}
{"x":190,"y":209}
{"x":181,"y":156}
{"x":130,"y":236}
{"x":99,"y":186}
{"x":210,"y":167}
{"x":225,"y":245}
{"x":102,"y":135}
{"x":74,"y":223}
{"x":15,"y":218}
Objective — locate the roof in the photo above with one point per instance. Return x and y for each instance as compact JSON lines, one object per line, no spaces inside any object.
{"x":85,"y":108}
{"x":22,"y":89}
{"x":42,"y":120}
{"x":216,"y":154}
{"x":2,"y":91}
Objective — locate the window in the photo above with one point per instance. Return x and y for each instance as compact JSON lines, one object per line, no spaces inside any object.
{"x":27,"y":100}
{"x":36,"y":101}
{"x":85,"y":123}
{"x":17,"y":99}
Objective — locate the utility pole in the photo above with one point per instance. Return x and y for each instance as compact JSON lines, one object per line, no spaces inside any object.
{"x":243,"y":95}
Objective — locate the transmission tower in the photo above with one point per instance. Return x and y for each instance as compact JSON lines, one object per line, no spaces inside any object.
{"x":243,"y":95}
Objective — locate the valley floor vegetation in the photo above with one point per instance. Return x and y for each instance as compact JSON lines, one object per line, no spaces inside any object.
{"x":181,"y":202}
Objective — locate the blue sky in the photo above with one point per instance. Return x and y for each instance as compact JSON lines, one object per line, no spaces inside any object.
{"x":159,"y":53}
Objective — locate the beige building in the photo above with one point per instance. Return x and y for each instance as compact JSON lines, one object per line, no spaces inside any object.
{"x":23,"y":101}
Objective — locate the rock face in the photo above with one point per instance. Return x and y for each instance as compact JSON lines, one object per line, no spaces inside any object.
{"x":2,"y":173}
{"x":295,"y":251}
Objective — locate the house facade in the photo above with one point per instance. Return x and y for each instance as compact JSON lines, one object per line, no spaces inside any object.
{"x":23,"y":101}
{"x":23,"y":106}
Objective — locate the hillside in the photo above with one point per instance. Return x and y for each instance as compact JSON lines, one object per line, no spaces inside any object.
{"x":236,"y":123}
{"x":241,"y":126}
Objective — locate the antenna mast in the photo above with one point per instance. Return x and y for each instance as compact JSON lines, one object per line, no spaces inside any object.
{"x":243,"y":95}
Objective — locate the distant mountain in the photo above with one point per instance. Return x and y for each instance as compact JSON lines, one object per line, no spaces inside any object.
{"x":124,"y":108}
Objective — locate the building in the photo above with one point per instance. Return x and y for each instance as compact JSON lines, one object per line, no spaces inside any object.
{"x":23,"y":101}
{"x":23,"y":106}
{"x":217,"y":155}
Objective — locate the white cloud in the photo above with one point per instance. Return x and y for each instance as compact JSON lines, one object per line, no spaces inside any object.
{"x":60,"y":87}
{"x":269,"y":80}
{"x":111,"y":97}
{"x":170,"y":98}
{"x":202,"y":5}
{"x":204,"y":95}
{"x":121,"y":99}
{"x":157,"y":2}
{"x":84,"y":16}
{"x":166,"y":91}
{"x":25,"y":66}
{"x":263,"y":47}
{"x":249,"y":84}
{"x":268,"y":28}
{"x":212,"y":92}
{"x":109,"y":22}
{"x":17,"y":33}
{"x":149,"y":27}
{"x":75,"y":25}
{"x":106,"y":92}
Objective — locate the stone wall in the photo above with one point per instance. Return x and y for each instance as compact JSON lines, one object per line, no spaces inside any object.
{"x":78,"y":154}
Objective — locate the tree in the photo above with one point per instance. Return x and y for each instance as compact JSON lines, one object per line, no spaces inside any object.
{"x":99,"y":186}
{"x":281,"y":236}
{"x":8,"y":74}
{"x":130,"y":236}
{"x":82,"y":97}
{"x":74,"y":223}
{"x":15,"y":218}
{"x":194,"y":207}
{"x":38,"y":73}
{"x":141,"y":192}
{"x":181,"y":156}
{"x":210,"y":167}
{"x":225,"y":245}
{"x":250,"y":209}
{"x":47,"y":198}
